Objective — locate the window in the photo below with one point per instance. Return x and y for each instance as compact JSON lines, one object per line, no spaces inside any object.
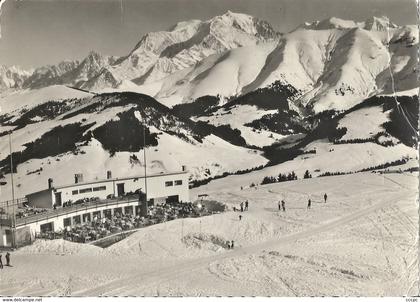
{"x":108,"y":214}
{"x":85,"y":190}
{"x":74,"y":192}
{"x":103,"y":188}
{"x":169,"y":183}
{"x":178,"y":182}
{"x":77,"y":219}
{"x":67,"y":222}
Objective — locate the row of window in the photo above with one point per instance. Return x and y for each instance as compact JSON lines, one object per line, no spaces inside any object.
{"x":89,"y":216}
{"x":102,"y":188}
{"x":94,"y":189}
{"x":171,"y":183}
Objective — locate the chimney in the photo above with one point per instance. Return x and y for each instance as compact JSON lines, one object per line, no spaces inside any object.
{"x":78,"y":178}
{"x":50,"y":183}
{"x":108,"y":174}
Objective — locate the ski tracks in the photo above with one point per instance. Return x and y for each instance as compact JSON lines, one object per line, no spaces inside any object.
{"x":130,"y":284}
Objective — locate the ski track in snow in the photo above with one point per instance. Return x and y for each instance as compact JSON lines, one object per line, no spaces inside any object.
{"x":120,"y":286}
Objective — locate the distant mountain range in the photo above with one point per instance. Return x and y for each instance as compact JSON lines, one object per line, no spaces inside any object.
{"x":335,"y":62}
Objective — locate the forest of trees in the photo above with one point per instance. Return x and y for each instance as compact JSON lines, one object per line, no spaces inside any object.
{"x":280,"y":178}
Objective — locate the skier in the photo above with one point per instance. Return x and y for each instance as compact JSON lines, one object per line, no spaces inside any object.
{"x":246,"y":205}
{"x":325,"y":197}
{"x":231,"y":244}
{"x":240,"y":217}
{"x":283,"y":205}
{"x":309,"y":203}
{"x":1,"y":262}
{"x":242,"y":206}
{"x":8,"y":259}
{"x":279,"y":204}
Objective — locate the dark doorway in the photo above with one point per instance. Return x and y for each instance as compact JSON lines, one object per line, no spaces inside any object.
{"x":58,"y":201}
{"x":47,"y":227}
{"x":9,"y":238}
{"x":120,"y":189}
{"x":172,"y":199}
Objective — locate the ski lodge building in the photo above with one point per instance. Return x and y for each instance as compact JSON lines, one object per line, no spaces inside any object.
{"x":61,"y":205}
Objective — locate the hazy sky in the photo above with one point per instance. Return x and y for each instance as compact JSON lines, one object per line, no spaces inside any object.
{"x":35,"y":33}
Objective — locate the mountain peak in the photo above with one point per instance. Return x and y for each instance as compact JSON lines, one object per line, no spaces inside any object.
{"x":372,"y":23}
{"x":329,"y":23}
{"x":336,"y":23}
{"x":185,"y":24}
{"x":378,"y":23}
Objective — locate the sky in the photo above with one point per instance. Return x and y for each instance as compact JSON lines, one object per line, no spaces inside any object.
{"x":40,"y":32}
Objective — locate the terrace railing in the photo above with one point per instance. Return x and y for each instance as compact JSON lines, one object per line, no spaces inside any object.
{"x":61,"y":211}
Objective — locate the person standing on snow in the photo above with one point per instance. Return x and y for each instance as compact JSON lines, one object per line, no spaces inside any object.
{"x":231,"y":244}
{"x":246,"y":205}
{"x":7,"y":259}
{"x":283,"y":205}
{"x":325,"y":197}
{"x":309,"y":203}
{"x":1,"y":262}
{"x":242,"y":206}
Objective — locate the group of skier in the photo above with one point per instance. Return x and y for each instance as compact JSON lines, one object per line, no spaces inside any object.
{"x":230,"y":245}
{"x":7,"y":260}
{"x":282,"y":203}
{"x":243,"y":207}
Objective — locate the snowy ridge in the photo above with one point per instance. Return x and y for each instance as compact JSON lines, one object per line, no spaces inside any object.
{"x":336,"y":67}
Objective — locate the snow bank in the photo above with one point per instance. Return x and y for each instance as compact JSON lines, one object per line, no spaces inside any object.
{"x":59,"y":247}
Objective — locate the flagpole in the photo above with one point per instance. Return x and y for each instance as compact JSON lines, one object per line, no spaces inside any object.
{"x":144,"y":156}
{"x":13,"y":190}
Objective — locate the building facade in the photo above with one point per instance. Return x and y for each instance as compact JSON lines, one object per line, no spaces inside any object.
{"x":111,"y":196}
{"x":163,"y":186}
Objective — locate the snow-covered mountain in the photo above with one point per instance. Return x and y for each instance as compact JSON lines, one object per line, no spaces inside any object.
{"x":335,"y":66}
{"x":157,"y":54}
{"x":335,"y":63}
{"x":12,"y":77}
{"x":227,"y":95}
{"x":71,"y":73}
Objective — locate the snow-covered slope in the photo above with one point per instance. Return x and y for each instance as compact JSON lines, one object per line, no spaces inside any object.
{"x":84,"y":136}
{"x":26,"y":99}
{"x":360,"y":243}
{"x":222,"y":74}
